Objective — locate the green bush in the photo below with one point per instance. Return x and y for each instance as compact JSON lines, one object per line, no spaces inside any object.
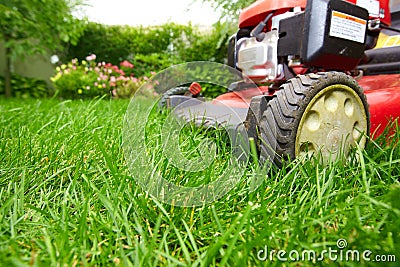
{"x":207,"y":46}
{"x":109,"y":43}
{"x":88,"y":79}
{"x":25,"y":87}
{"x":151,"y":48}
{"x":117,"y":43}
{"x":147,"y":64}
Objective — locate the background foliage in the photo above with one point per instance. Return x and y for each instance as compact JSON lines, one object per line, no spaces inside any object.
{"x":25,"y":30}
{"x":36,"y":26}
{"x":25,"y":87}
{"x":30,"y":27}
{"x":88,"y":79}
{"x":229,"y":9}
{"x":150,"y":48}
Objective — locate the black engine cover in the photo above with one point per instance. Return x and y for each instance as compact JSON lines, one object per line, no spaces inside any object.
{"x":333,"y":35}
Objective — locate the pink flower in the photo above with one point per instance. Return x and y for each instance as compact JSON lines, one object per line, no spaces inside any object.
{"x":153,"y":73}
{"x":112,"y":79}
{"x":114,"y":92}
{"x":126,"y":64}
{"x":91,"y":57}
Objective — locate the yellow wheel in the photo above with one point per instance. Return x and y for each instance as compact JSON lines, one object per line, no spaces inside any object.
{"x":333,"y":121}
{"x":324,"y":114}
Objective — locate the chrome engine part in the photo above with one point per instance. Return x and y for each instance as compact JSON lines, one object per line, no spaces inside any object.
{"x":258,"y":60}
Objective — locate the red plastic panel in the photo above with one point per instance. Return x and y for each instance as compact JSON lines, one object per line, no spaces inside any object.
{"x":257,"y":11}
{"x":383,"y":96}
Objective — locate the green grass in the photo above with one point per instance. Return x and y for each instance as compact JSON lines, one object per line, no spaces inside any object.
{"x":67,"y":199}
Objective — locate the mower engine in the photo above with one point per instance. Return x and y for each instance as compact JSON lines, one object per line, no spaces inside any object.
{"x":321,"y":35}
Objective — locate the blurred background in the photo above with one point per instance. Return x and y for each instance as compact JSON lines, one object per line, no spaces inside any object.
{"x":151,"y":35}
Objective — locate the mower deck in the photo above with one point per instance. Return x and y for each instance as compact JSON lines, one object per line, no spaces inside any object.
{"x":215,"y":115}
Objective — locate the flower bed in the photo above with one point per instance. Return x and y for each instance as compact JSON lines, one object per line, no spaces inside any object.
{"x":88,"y":79}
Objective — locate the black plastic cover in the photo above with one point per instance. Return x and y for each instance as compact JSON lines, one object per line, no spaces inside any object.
{"x":290,"y":35}
{"x":338,"y":49}
{"x":231,"y":51}
{"x":382,"y":61}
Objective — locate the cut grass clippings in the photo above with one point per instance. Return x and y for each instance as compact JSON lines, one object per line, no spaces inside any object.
{"x":67,"y":199}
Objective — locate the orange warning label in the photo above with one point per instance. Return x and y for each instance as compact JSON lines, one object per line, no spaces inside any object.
{"x":347,"y":27}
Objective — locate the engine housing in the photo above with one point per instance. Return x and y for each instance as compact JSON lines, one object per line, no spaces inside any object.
{"x":258,"y":59}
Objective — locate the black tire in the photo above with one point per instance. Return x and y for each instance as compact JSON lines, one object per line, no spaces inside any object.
{"x":173,"y":91}
{"x":280,"y":122}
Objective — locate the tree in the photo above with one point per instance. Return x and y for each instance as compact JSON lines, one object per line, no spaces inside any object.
{"x":229,"y":9}
{"x":35,"y":27}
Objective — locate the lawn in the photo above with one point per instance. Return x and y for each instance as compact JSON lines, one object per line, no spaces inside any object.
{"x":67,"y":199}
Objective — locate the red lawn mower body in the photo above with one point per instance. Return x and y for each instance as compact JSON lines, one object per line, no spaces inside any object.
{"x":256,"y":12}
{"x":382,"y":90}
{"x":311,"y":81}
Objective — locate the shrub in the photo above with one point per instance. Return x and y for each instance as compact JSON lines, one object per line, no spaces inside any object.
{"x":116,"y":43}
{"x":151,"y":48}
{"x":88,"y":78}
{"x":146,"y":64}
{"x":25,"y":87}
{"x":207,"y":46}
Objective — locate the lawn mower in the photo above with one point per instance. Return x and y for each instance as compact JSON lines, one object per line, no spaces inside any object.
{"x":312,"y":82}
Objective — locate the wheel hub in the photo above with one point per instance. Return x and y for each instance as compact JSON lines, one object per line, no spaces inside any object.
{"x":333,"y":121}
{"x":334,"y":139}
